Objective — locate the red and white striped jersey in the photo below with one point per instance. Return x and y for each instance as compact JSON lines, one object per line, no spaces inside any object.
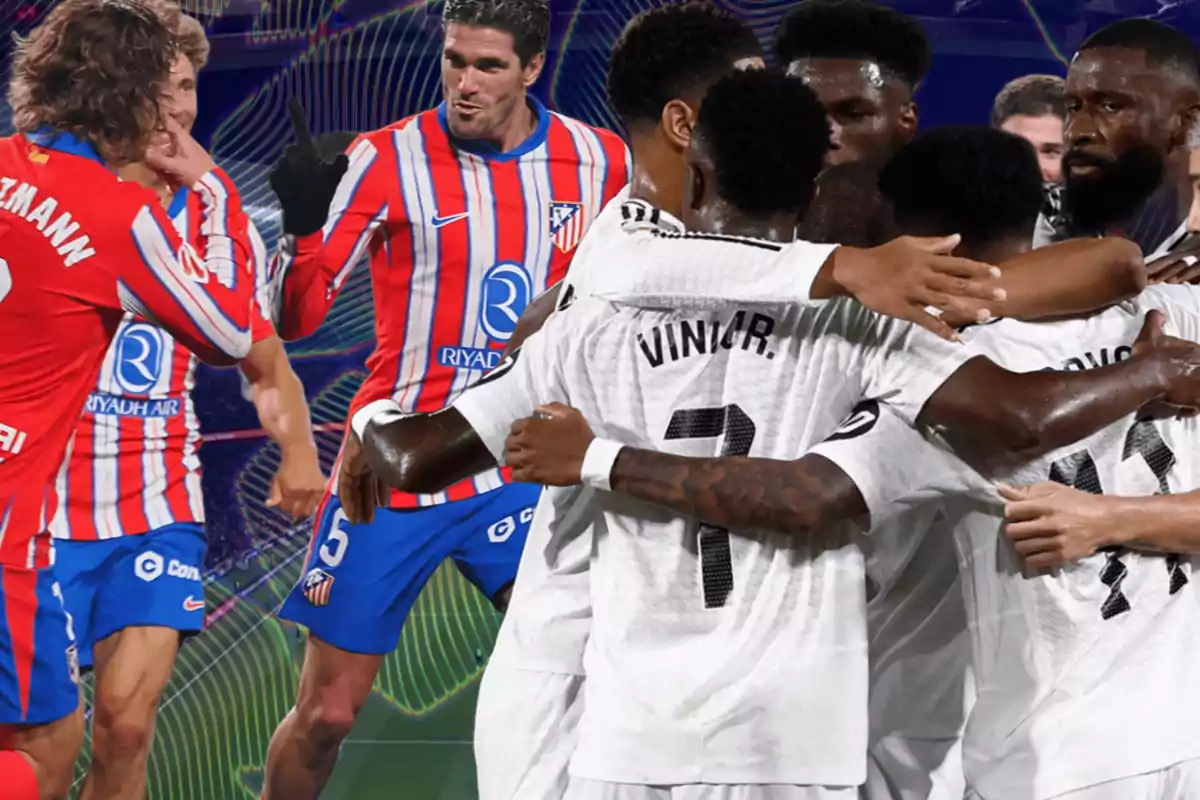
{"x":460,"y":238}
{"x":78,"y":250}
{"x":132,"y":465}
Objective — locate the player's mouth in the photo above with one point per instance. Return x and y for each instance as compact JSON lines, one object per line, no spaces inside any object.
{"x":467,"y":109}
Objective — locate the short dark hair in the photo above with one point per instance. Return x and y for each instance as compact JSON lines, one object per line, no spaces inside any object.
{"x":1163,"y":45}
{"x":767,"y":136}
{"x":671,"y":51}
{"x":527,"y":21}
{"x":96,"y":69}
{"x":1030,"y":96}
{"x":981,"y":182}
{"x":859,"y":30}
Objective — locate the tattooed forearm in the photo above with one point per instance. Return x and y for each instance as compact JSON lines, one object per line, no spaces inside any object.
{"x":741,"y":493}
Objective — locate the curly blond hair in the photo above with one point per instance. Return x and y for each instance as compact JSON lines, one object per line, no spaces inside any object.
{"x":193,"y":41}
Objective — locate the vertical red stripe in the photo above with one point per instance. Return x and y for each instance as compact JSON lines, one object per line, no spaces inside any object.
{"x":131,"y":484}
{"x":20,"y":612}
{"x":453,"y":257}
{"x":616,"y":155}
{"x":565,"y":187}
{"x":177,"y":433}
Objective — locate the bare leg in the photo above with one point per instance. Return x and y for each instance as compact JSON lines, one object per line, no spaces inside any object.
{"x":132,"y":669}
{"x":51,"y":749}
{"x":334,"y":685}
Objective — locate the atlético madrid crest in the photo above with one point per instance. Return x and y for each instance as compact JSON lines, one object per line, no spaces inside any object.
{"x":566,"y":225}
{"x":317,"y":584}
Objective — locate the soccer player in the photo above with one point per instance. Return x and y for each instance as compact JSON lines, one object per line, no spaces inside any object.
{"x":131,"y":543}
{"x":1042,"y":643}
{"x":1032,"y":107}
{"x":864,"y":62}
{"x":78,"y":249}
{"x":467,"y":212}
{"x":684,"y":632}
{"x":1132,"y":96}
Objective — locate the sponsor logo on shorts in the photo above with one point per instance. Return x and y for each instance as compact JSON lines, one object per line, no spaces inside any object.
{"x":149,"y":566}
{"x":502,"y":531}
{"x":317,"y":585}
{"x":73,"y":663}
{"x":192,"y":604}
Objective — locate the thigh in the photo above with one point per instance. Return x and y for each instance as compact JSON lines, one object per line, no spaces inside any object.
{"x":492,"y":536}
{"x":156,"y":582}
{"x":133,"y":667}
{"x":360,"y":581}
{"x":584,"y":789}
{"x":39,"y":665}
{"x":526,"y":724}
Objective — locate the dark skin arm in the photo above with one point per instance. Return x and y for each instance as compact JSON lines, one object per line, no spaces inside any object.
{"x":792,"y":496}
{"x":1067,"y":279}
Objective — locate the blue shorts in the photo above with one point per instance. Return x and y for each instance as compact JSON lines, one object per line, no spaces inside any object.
{"x":361,"y":581}
{"x":151,"y":579}
{"x":39,"y":670}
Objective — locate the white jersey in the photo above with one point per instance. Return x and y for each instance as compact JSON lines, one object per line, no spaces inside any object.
{"x":546,"y":625}
{"x":714,"y":658}
{"x":1087,"y":674}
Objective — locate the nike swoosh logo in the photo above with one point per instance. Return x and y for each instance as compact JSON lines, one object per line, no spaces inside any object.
{"x":192,"y":605}
{"x":438,"y":222}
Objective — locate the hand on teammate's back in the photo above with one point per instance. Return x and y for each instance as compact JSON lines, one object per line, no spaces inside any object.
{"x":1181,"y":265}
{"x":1178,"y":359}
{"x":174,"y":152}
{"x":359,"y":490}
{"x":908,"y":276}
{"x":303,"y":181}
{"x":549,"y":447}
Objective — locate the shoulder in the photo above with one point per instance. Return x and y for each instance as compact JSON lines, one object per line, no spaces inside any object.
{"x":394,"y":135}
{"x":591,"y":143}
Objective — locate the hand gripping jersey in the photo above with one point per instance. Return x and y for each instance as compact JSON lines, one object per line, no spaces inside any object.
{"x":132,"y":465}
{"x":1086,"y":674}
{"x":717,"y":658}
{"x":460,"y":239}
{"x":78,"y":250}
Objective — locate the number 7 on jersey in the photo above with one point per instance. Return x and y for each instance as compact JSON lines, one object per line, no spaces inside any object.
{"x":716,"y":560}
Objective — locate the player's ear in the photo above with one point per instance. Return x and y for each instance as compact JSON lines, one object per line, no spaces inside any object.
{"x":1185,"y":127}
{"x":677,"y":123}
{"x":531,"y":71}
{"x":910,"y":118}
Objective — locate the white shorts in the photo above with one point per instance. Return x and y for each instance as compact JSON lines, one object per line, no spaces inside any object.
{"x":584,"y":789}
{"x":1176,"y":782}
{"x":526,"y":724}
{"x":902,"y":768}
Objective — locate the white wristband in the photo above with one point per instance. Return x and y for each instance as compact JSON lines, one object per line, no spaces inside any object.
{"x":598,"y":463}
{"x":358,"y":423}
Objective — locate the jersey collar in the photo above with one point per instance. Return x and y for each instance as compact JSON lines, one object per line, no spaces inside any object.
{"x":178,"y":202}
{"x":637,"y":214}
{"x":488,"y":150}
{"x":50,"y":139}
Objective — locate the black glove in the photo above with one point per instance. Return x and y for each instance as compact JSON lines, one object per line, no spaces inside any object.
{"x":303,"y":181}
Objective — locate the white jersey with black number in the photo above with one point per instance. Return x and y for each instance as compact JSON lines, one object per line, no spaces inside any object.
{"x":715,"y":658}
{"x":1087,"y":674}
{"x":546,"y":625}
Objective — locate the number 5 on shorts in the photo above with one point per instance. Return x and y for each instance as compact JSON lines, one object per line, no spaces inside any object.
{"x":716,"y":560}
{"x":334,"y":549}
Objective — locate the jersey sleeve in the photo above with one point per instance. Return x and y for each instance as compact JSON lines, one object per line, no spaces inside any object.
{"x":316,"y":268}
{"x":891,"y":463}
{"x":207,"y":305}
{"x":649,"y":267}
{"x":530,"y":376}
{"x":261,"y":313}
{"x":905,"y":364}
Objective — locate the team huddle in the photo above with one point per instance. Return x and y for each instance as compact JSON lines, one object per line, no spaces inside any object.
{"x":798,"y":471}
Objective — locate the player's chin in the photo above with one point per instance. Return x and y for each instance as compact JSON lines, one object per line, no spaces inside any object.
{"x":465,"y":126}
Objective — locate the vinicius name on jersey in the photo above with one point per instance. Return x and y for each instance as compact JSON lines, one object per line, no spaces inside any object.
{"x":1102,"y":357}
{"x":679,"y":339}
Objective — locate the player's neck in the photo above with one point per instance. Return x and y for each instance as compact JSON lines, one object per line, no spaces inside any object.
{"x":725,"y":219}
{"x":658,"y":174}
{"x":143,"y":174}
{"x":517,"y":129}
{"x":1163,"y":212}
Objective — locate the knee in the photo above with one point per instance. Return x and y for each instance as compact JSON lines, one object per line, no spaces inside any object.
{"x":326,"y":715}
{"x":122,"y":726}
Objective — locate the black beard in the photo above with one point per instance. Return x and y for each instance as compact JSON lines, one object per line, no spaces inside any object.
{"x":1115,"y":193}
